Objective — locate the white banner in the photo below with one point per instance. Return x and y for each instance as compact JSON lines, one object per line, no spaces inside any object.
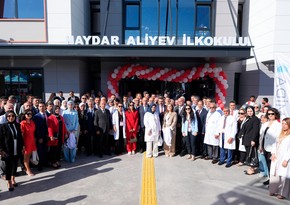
{"x":282,"y":85}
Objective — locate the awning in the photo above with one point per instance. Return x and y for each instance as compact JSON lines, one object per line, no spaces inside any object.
{"x":226,"y":54}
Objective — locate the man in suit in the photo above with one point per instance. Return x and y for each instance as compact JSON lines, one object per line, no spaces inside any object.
{"x":125,"y":102}
{"x":160,"y":109}
{"x":180,"y":142}
{"x":201,"y":113}
{"x":103,"y":124}
{"x":13,"y":100}
{"x":3,"y":101}
{"x":90,"y":128}
{"x":142,"y":110}
{"x":73,"y":98}
{"x":41,"y":135}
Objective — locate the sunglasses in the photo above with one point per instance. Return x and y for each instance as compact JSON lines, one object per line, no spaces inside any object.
{"x":120,"y":106}
{"x":211,"y":107}
{"x":10,"y":115}
{"x":84,"y":98}
{"x":271,"y":113}
{"x":187,"y":108}
{"x":241,"y":113}
{"x":29,"y":114}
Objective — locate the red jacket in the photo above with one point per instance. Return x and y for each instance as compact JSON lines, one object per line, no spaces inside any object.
{"x":132,"y":120}
{"x":53,"y":127}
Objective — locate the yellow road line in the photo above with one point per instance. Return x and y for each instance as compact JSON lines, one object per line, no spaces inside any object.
{"x":148,"y":192}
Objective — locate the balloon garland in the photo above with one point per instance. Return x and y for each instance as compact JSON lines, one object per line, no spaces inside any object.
{"x":171,"y":75}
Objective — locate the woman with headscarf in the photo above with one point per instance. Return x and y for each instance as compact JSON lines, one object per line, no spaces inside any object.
{"x":11,"y":147}
{"x":152,"y":131}
{"x":71,"y":121}
{"x":56,"y":133}
{"x":27,"y":129}
{"x":250,"y":136}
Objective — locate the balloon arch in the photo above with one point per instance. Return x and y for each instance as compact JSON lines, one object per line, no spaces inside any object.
{"x":170,"y":75}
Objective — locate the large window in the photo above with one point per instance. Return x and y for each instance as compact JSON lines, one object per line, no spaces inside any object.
{"x":168,"y":18}
{"x":22,"y":9}
{"x":20,"y":82}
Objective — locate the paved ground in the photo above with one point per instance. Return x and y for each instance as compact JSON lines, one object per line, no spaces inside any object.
{"x":117,"y":180}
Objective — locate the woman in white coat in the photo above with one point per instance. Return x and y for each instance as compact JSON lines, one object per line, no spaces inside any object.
{"x":227,"y":130}
{"x":268,"y":135}
{"x":119,"y":126}
{"x":152,"y":131}
{"x":280,"y":166}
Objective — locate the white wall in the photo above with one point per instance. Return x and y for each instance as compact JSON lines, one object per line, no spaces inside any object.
{"x":59,"y":20}
{"x":224,"y":21}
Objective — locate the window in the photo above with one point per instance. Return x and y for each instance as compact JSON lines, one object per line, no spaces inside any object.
{"x":168,"y":18}
{"x":95,"y":19}
{"x":132,"y":19}
{"x":21,"y":9}
{"x":20,"y":81}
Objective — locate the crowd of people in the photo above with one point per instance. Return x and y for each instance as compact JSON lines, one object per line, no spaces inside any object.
{"x":253,"y":135}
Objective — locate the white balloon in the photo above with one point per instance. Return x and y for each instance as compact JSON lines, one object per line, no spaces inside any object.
{"x":114,"y":75}
{"x":138,"y":73}
{"x":209,"y":70}
{"x":169,"y":79}
{"x":215,"y":70}
{"x":201,"y":75}
{"x":185,"y":80}
{"x":116,"y":71}
{"x":147,"y":71}
{"x":154,"y":78}
{"x":206,"y":65}
{"x":162,"y":72}
{"x":142,"y":72}
{"x":226,"y":86}
{"x":166,"y":69}
{"x":126,"y":73}
{"x":204,"y":70}
{"x":130,"y":69}
{"x":174,"y":76}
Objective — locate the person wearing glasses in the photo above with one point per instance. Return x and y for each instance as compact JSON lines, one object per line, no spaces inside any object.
{"x":27,"y":129}
{"x":240,"y":148}
{"x":268,"y":134}
{"x":189,"y":131}
{"x":132,"y":120}
{"x":119,"y":127}
{"x":280,"y":163}
{"x":11,"y":147}
{"x":250,"y":136}
{"x":211,"y":138}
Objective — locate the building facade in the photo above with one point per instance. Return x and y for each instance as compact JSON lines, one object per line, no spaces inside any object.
{"x":91,"y":44}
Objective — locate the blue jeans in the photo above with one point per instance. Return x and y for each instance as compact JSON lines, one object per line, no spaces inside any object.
{"x":224,"y":151}
{"x":263,"y":165}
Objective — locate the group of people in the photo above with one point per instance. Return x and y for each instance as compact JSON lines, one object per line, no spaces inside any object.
{"x":253,"y":135}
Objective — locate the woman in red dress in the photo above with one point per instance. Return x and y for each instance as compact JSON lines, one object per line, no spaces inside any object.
{"x":27,"y":128}
{"x":132,"y":120}
{"x":56,"y":133}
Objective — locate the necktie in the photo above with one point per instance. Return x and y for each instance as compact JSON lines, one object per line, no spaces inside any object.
{"x":225,"y":122}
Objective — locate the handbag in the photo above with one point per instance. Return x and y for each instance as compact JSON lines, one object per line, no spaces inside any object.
{"x":34,"y":158}
{"x":133,"y":139}
{"x":252,"y":161}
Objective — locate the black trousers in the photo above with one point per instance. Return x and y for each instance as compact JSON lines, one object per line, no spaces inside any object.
{"x":140,"y":142}
{"x":11,"y":166}
{"x":42,"y":153}
{"x":268,"y":160}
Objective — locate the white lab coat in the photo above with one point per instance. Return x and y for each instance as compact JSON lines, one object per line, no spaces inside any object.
{"x":282,"y":153}
{"x":152,"y":127}
{"x":115,"y":121}
{"x":230,"y":131}
{"x":271,"y":135}
{"x":211,"y":125}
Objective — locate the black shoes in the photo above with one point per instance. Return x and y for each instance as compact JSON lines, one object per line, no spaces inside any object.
{"x":266,"y":182}
{"x":221,"y":163}
{"x":214,"y":161}
{"x":228,"y":165}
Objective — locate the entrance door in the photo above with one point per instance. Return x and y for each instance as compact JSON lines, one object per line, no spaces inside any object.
{"x":201,"y":87}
